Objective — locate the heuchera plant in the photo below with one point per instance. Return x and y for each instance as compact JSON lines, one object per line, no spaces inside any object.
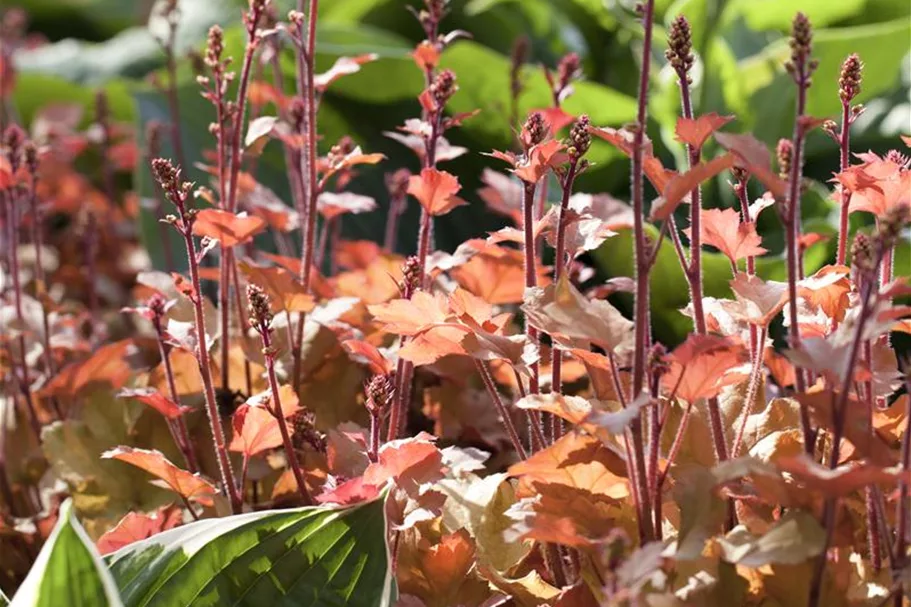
{"x":336,"y":423}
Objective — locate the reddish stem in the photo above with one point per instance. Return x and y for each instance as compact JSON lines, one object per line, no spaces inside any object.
{"x":845,"y":159}
{"x":179,"y":425}
{"x":501,"y":408}
{"x":290,"y":453}
{"x":642,"y":267}
{"x":202,"y":357}
{"x":560,"y":264}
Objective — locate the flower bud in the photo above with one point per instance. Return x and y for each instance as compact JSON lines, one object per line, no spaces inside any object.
{"x":783,"y":152}
{"x":411,"y":276}
{"x":443,"y":87}
{"x":579,"y":137}
{"x":534,"y":130}
{"x":259,"y":308}
{"x":679,"y":51}
{"x":850,"y":78}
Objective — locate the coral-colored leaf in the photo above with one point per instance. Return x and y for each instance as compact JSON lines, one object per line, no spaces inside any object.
{"x":754,"y":156}
{"x":190,"y":486}
{"x":842,"y":480}
{"x":695,"y":131}
{"x":342,"y":67}
{"x":285,"y":292}
{"x":368,"y":354}
{"x":681,"y":185}
{"x":759,"y":300}
{"x":227,"y":228}
{"x":723,"y":230}
{"x":426,"y":55}
{"x":255,"y":430}
{"x":409,"y":462}
{"x":540,"y":158}
{"x":702,"y":366}
{"x":576,"y":460}
{"x":136,"y":526}
{"x":435,"y":190}
{"x":155,"y":399}
{"x":411,"y":316}
{"x":561,"y":310}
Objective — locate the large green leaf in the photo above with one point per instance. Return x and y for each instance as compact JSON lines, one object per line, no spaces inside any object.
{"x":68,"y":571}
{"x":305,"y":557}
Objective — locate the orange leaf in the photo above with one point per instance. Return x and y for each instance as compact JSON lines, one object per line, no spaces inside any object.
{"x":426,"y":55}
{"x":760,"y":300}
{"x":540,"y":158}
{"x":828,"y":290}
{"x":411,"y":316}
{"x":136,"y":526}
{"x":342,"y":67}
{"x":723,"y":230}
{"x":353,"y":491}
{"x":286,"y":293}
{"x":367,"y":354}
{"x":857,"y":429}
{"x":694,"y":131}
{"x":227,"y":228}
{"x":561,"y":310}
{"x":497,"y":275}
{"x":108,"y":365}
{"x":576,"y":460}
{"x":409,"y":462}
{"x":436,"y":191}
{"x":155,"y":399}
{"x":255,"y":430}
{"x":190,"y":486}
{"x":842,"y":480}
{"x":681,"y":185}
{"x":753,"y":155}
{"x":446,"y":565}
{"x":701,"y":367}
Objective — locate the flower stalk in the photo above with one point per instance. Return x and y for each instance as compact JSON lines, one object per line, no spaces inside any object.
{"x":179,"y":193}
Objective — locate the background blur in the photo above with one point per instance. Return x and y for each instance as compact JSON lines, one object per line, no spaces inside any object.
{"x":77,"y":46}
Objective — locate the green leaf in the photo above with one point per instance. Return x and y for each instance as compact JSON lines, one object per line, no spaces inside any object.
{"x":306,"y":556}
{"x":778,"y":14}
{"x":4,"y":601}
{"x":771,"y":91}
{"x":68,"y":570}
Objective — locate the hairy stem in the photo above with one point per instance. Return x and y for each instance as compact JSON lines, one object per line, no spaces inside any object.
{"x":844,"y":141}
{"x":277,"y":412}
{"x":205,"y":370}
{"x":501,"y":408}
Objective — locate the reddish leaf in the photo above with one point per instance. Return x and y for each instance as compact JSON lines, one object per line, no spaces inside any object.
{"x":409,"y":462}
{"x":350,"y":492}
{"x":190,"y":486}
{"x":760,"y":301}
{"x":556,"y":118}
{"x":829,"y":290}
{"x":694,"y":131}
{"x":285,"y":292}
{"x":576,"y":460}
{"x":436,"y":191}
{"x":108,"y":365}
{"x":540,"y":158}
{"x":753,"y":155}
{"x":426,"y":56}
{"x":681,"y":185}
{"x":227,"y":228}
{"x":136,"y":526}
{"x":723,"y":230}
{"x":411,"y":316}
{"x":842,"y":480}
{"x":332,"y":204}
{"x":366,"y":353}
{"x":701,"y":367}
{"x":158,"y":401}
{"x":342,"y":67}
{"x":255,"y":430}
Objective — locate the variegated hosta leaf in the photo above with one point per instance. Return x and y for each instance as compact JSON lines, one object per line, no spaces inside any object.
{"x":305,"y":557}
{"x":68,"y":571}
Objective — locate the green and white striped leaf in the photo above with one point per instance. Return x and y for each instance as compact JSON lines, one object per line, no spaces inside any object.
{"x":68,"y":571}
{"x":304,"y":557}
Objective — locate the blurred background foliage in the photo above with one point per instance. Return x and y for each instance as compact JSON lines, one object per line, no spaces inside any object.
{"x":741,"y":47}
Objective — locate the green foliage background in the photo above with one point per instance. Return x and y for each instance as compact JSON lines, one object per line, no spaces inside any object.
{"x":741,"y":44}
